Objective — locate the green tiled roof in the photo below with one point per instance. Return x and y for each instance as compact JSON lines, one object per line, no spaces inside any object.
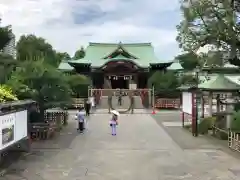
{"x":234,"y":78}
{"x":219,"y":82}
{"x":228,"y":65}
{"x":96,"y":52}
{"x":65,"y":66}
{"x":185,"y":87}
{"x":175,"y":66}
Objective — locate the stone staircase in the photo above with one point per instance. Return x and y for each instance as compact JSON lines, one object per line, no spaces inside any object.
{"x":138,"y":103}
{"x":125,"y":103}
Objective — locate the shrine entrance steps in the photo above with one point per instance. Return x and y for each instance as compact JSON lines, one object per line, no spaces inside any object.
{"x":126,"y":103}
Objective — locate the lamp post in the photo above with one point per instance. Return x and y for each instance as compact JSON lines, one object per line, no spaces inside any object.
{"x":196,"y":70}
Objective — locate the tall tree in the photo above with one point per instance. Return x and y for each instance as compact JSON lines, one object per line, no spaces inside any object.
{"x":79,"y":54}
{"x":31,"y":47}
{"x":189,"y":61}
{"x":63,"y":56}
{"x":212,"y":23}
{"x":4,"y":36}
{"x":7,"y":63}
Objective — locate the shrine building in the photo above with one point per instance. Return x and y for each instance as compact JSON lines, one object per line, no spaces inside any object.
{"x":117,"y":65}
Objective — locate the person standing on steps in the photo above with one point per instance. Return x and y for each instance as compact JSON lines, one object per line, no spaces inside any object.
{"x":120,"y":98}
{"x":114,"y":122}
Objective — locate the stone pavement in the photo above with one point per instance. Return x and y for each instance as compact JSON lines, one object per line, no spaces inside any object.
{"x":143,"y":149}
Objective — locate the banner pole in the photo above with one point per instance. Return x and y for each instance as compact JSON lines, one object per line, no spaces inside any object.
{"x":153,"y":108}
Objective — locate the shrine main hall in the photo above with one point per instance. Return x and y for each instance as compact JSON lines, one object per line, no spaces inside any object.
{"x":116,"y":65}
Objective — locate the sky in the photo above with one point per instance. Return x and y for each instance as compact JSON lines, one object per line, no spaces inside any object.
{"x":70,"y":24}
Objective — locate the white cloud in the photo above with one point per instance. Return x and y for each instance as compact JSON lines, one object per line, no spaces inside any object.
{"x":35,"y":16}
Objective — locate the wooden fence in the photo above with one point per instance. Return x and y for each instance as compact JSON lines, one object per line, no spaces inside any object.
{"x":167,"y":103}
{"x":234,"y":141}
{"x":53,"y":122}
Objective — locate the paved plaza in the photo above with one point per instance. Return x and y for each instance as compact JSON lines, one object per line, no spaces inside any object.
{"x":144,"y":148}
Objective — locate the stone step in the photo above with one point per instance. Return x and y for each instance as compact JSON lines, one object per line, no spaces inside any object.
{"x":125,"y":102}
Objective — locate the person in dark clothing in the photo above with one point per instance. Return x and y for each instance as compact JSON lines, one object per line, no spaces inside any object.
{"x":80,"y":117}
{"x":87,"y":107}
{"x":120,"y":98}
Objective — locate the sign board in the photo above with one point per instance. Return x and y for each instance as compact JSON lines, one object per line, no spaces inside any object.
{"x":132,"y":86}
{"x":13,"y":127}
{"x":187,"y":102}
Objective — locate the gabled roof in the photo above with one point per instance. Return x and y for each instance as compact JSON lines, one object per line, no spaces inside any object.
{"x":64,"y":65}
{"x":175,"y":66}
{"x":218,"y":83}
{"x":120,"y":50}
{"x":228,"y":65}
{"x":96,"y":52}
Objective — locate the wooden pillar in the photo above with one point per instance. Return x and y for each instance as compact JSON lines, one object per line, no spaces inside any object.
{"x":210,"y":98}
{"x":202,"y":108}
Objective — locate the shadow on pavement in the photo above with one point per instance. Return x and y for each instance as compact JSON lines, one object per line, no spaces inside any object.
{"x":14,"y":163}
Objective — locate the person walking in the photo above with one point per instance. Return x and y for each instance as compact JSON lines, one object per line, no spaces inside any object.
{"x":114,"y":122}
{"x":87,"y":107}
{"x":80,"y":117}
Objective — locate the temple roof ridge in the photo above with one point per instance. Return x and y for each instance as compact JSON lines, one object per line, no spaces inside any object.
{"x":120,"y":43}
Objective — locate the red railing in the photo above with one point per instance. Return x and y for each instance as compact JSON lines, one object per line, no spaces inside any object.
{"x":167,"y":103}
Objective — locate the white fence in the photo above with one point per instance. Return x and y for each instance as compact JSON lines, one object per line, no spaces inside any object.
{"x":234,"y":141}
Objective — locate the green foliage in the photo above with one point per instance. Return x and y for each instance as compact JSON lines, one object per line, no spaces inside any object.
{"x":189,"y":61}
{"x":163,"y":81}
{"x":5,"y":35}
{"x":187,"y":79}
{"x":41,"y":82}
{"x":7,"y":65}
{"x":63,"y":56}
{"x":165,"y":84}
{"x":6,"y":94}
{"x":206,"y":124}
{"x":79,"y":84}
{"x":209,"y":23}
{"x":31,"y":47}
{"x":235,"y":122}
{"x":79,"y":54}
{"x":214,"y":58}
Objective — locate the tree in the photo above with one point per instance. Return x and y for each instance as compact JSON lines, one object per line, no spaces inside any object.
{"x":62,"y":56}
{"x":79,"y":85}
{"x":214,"y":58}
{"x":5,"y":36}
{"x":163,"y":82}
{"x":211,"y":23}
{"x":79,"y":54}
{"x":41,"y":82}
{"x":7,"y":65}
{"x":189,"y":61}
{"x":187,"y":80}
{"x":31,"y":47}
